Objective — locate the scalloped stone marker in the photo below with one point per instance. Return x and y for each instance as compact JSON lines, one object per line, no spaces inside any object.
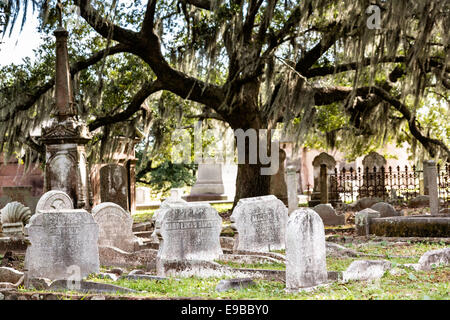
{"x":305,"y":250}
{"x":54,"y":200}
{"x":260,"y":223}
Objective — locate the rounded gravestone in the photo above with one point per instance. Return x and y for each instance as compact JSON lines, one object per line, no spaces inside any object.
{"x":305,"y":250}
{"x":364,"y":203}
{"x":115,"y":226}
{"x":188,"y":232}
{"x":385,"y":209}
{"x":54,"y":200}
{"x":260,"y":223}
{"x":328,"y":215}
{"x":63,"y":245}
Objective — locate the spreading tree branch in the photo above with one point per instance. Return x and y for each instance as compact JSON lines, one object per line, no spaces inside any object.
{"x":33,"y":97}
{"x":134,"y":106}
{"x":105,"y":27}
{"x":148,"y":48}
{"x":149,"y":18}
{"x":327,"y":95}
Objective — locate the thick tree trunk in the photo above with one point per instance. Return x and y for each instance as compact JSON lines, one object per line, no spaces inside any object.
{"x":250,"y":182}
{"x":247,"y":115}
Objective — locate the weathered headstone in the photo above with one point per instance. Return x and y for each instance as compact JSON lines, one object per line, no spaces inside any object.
{"x":115,"y":226}
{"x":260,"y":223}
{"x":366,"y":270}
{"x":385,"y":210}
{"x":328,"y":215}
{"x":328,"y":163}
{"x":187,"y":232}
{"x":63,"y":245}
{"x":305,"y":250}
{"x":374,"y":160}
{"x":419,"y":201}
{"x":113,"y":185}
{"x":363,"y":203}
{"x":434,"y":258}
{"x":278,"y":185}
{"x":54,"y":200}
{"x":174,"y":198}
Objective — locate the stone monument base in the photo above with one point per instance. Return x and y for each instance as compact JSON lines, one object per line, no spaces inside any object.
{"x":205,"y":197}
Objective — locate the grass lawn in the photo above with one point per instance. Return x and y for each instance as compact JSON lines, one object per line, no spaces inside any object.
{"x":398,"y":283}
{"x":143,"y":215}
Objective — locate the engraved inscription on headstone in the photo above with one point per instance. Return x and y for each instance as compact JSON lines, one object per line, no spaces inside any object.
{"x":260,"y":223}
{"x":60,"y":239}
{"x":54,"y":200}
{"x":115,"y":226}
{"x":189,"y":232}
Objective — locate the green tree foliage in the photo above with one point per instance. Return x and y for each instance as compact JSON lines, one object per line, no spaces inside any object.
{"x":315,"y":65}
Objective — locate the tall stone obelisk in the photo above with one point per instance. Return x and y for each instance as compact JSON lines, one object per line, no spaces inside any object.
{"x":65,"y":137}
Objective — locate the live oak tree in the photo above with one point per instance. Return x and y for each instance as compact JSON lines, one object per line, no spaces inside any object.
{"x":256,"y":63}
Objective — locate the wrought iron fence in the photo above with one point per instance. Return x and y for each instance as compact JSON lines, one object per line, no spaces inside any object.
{"x":398,"y":185}
{"x":348,"y":185}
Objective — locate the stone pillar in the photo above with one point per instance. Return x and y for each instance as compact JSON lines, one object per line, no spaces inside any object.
{"x":329,"y":163}
{"x":323,"y":184}
{"x":431,"y":173}
{"x":65,"y":138}
{"x":131,"y":168}
{"x":291,"y":177}
{"x":425,"y":179}
{"x":63,"y":87}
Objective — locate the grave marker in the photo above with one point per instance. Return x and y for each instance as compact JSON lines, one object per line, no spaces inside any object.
{"x":115,"y":226}
{"x":187,"y":232}
{"x":260,"y":223}
{"x":62,"y":240}
{"x":305,"y":250}
{"x":54,"y":200}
